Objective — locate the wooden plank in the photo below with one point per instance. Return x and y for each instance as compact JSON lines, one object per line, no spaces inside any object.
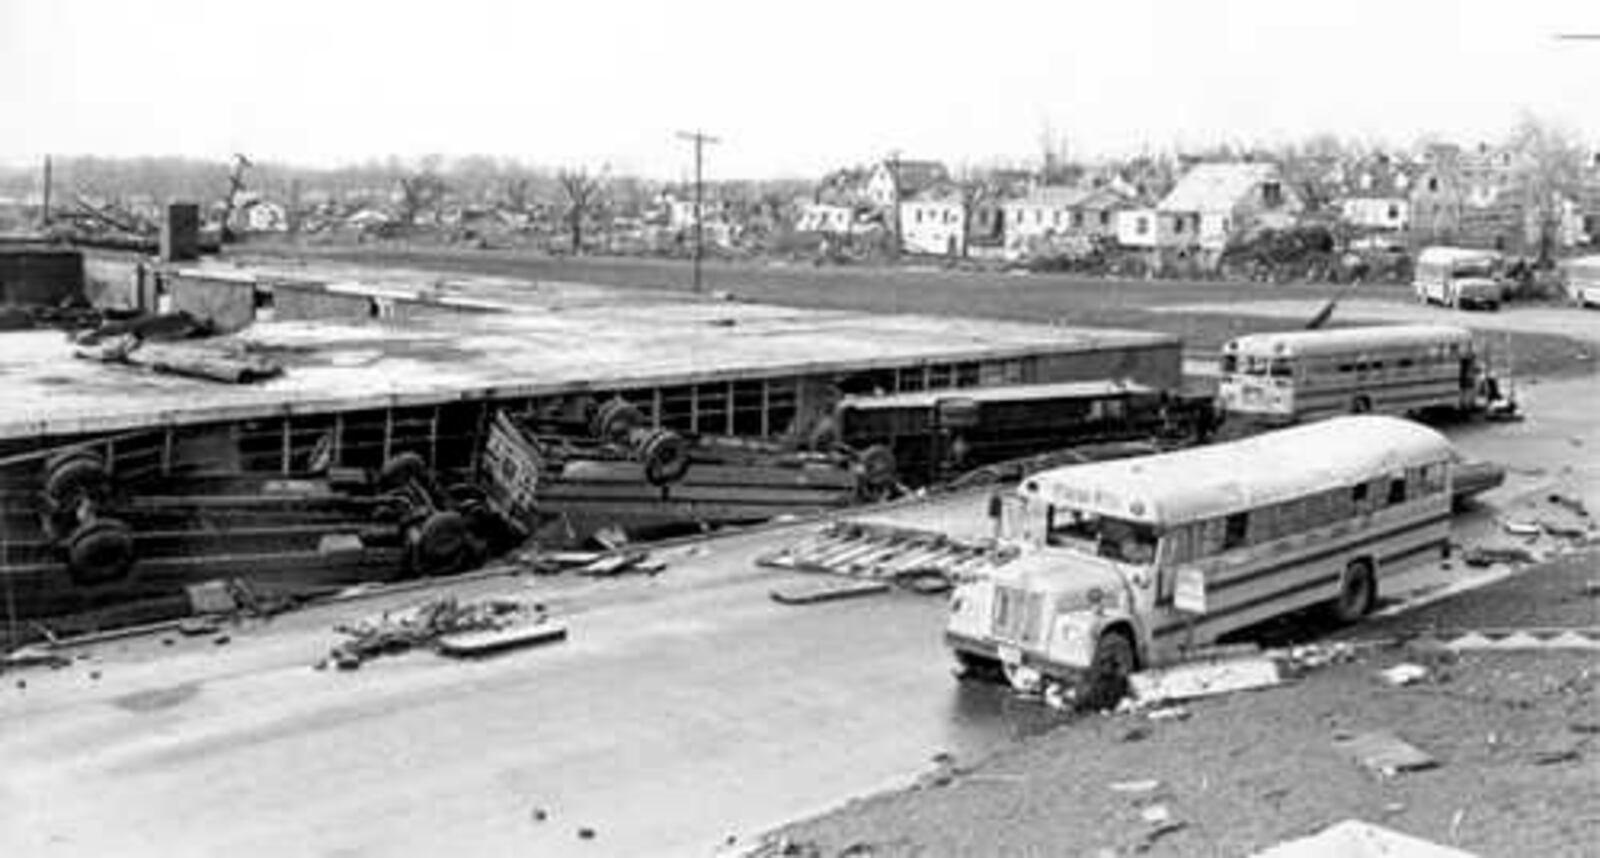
{"x":492,"y":641}
{"x":812,"y":592}
{"x":1384,"y":753}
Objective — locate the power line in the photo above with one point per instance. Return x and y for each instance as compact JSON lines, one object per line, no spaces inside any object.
{"x":699,"y":139}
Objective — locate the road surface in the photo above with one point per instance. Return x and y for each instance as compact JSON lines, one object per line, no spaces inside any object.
{"x":685,"y":708}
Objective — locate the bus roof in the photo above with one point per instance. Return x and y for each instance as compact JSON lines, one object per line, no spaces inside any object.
{"x":1450,"y":255}
{"x":1339,"y":340}
{"x":1222,"y":479}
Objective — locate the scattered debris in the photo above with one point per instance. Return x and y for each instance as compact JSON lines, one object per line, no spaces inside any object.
{"x":1552,"y":756}
{"x":1189,"y":681}
{"x":33,"y":656}
{"x":1168,"y":713}
{"x":1570,"y":503}
{"x":586,"y":833}
{"x":618,"y":563}
{"x":1384,"y":752}
{"x":1312,"y":656}
{"x":198,"y":626}
{"x":1521,"y":528}
{"x":505,"y":622}
{"x":1355,"y":839}
{"x":1141,"y":786}
{"x":875,"y":551}
{"x":826,"y":591}
{"x":1480,"y":556}
{"x":212,"y":597}
{"x":1156,"y":814}
{"x":1404,"y":674}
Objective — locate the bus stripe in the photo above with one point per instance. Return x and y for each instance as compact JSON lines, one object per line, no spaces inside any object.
{"x":1301,"y":587}
{"x":1329,"y":552}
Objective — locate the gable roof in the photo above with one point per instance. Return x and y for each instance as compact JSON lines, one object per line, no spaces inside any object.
{"x":1209,"y":187}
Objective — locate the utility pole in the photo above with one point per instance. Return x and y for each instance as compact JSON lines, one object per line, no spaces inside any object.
{"x":44,"y":215}
{"x":699,"y":139}
{"x":894,"y":206}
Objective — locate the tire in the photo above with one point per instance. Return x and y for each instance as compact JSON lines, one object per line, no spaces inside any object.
{"x":1358,"y":592}
{"x":876,"y":465}
{"x":1107,"y":679}
{"x":76,"y":477}
{"x":614,"y":418}
{"x":977,"y":667}
{"x":401,"y":470}
{"x":440,"y":543}
{"x":666,"y":457}
{"x":100,"y":552}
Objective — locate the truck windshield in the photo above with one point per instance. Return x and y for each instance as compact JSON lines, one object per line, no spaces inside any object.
{"x":1113,"y":538}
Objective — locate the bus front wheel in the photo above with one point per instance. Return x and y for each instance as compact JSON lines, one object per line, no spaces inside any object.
{"x":1358,"y":592}
{"x":1107,"y":680}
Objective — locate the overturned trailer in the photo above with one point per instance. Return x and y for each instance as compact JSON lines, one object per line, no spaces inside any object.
{"x":367,"y":457}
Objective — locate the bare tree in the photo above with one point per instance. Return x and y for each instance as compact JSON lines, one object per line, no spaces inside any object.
{"x":517,"y":191}
{"x":1549,"y":171}
{"x":419,"y":192}
{"x":582,"y":190}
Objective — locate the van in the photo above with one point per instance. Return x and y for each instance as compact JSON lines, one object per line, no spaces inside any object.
{"x":1459,"y":277}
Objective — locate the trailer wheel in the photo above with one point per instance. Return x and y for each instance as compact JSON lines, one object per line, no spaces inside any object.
{"x":1107,"y":679}
{"x":666,"y":457}
{"x":401,"y":470}
{"x":440,"y":543}
{"x":100,"y":552}
{"x":614,"y":418}
{"x":75,"y":477}
{"x":1358,"y":592}
{"x":876,"y":465}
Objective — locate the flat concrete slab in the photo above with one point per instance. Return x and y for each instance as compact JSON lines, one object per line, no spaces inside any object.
{"x":518,"y":339}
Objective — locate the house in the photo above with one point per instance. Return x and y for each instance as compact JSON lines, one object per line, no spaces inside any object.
{"x":914,"y":177}
{"x":826,"y":218}
{"x":934,"y":222}
{"x":1147,"y":228}
{"x":1376,"y":211}
{"x":1224,"y":200}
{"x":1060,"y":212}
{"x":1437,"y":202}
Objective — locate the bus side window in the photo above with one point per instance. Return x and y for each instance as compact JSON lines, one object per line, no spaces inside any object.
{"x":1397,"y":490}
{"x":1236,"y":530}
{"x":1358,"y":498}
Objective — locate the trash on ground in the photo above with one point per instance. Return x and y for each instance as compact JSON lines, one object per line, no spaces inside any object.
{"x":197,"y":626}
{"x":1483,"y":555}
{"x":1571,"y":503}
{"x":33,"y":656}
{"x":1139,"y":786}
{"x":1384,"y":752}
{"x":1312,"y":656}
{"x":1189,"y":681}
{"x":810,"y":592}
{"x":212,"y":597}
{"x":878,"y":551}
{"x":1156,"y":814}
{"x":1552,"y":756}
{"x":1404,"y":674}
{"x":1521,"y":528}
{"x":428,"y":624}
{"x":1353,"y":838}
{"x":1168,"y":713}
{"x":620,"y":562}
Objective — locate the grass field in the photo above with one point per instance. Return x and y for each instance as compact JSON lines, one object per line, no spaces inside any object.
{"x":1045,"y":298}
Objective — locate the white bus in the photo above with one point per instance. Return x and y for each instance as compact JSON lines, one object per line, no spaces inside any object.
{"x":1459,"y":277}
{"x":1391,"y":369}
{"x":1581,"y":278}
{"x":1127,"y":564}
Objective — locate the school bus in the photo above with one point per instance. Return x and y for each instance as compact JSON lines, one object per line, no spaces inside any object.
{"x":1389,"y":369}
{"x":1129,"y":563}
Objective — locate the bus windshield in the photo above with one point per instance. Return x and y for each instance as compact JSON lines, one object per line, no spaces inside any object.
{"x":1257,"y":365}
{"x":1104,"y":536}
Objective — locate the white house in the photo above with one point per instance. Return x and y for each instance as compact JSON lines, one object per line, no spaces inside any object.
{"x":1227,"y":198}
{"x":825,"y":218}
{"x":1057,"y":211}
{"x":934,"y":222}
{"x":914,"y":178}
{"x":1376,"y":212}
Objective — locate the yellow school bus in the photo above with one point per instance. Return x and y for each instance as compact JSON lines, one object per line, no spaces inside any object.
{"x":1129,"y":563}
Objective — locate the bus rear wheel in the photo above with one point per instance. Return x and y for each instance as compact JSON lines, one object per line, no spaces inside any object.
{"x":1358,"y":592}
{"x":1107,"y":679}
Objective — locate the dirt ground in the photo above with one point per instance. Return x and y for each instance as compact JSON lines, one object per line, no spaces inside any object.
{"x":1514,"y":735}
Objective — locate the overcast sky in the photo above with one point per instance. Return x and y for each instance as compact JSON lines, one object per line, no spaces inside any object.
{"x":793,"y":88}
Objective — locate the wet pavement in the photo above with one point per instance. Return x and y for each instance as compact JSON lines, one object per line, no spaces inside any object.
{"x":684,"y":709}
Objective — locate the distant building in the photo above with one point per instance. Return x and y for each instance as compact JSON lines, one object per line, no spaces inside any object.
{"x":914,"y":178}
{"x":934,"y":222}
{"x":1379,"y":212}
{"x":1055,"y":212}
{"x":826,"y":218}
{"x":1225,"y":200}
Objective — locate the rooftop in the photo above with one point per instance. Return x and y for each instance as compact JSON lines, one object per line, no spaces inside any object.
{"x":539,"y":338}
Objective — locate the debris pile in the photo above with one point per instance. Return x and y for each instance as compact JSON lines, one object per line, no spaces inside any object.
{"x":446,"y":625}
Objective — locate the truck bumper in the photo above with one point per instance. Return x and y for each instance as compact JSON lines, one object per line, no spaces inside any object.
{"x":1007,"y":654}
